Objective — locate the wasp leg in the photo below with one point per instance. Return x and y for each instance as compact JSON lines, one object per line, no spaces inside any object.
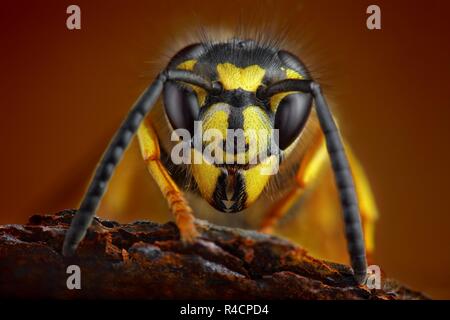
{"x":148,"y":142}
{"x":311,"y":167}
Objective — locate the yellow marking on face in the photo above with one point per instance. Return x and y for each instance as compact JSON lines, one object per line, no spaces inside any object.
{"x":256,"y":133}
{"x":189,"y":65}
{"x":216,"y":119}
{"x":256,"y":120}
{"x":232,"y":77}
{"x":255,"y":181}
{"x":206,"y":175}
{"x":292,"y":74}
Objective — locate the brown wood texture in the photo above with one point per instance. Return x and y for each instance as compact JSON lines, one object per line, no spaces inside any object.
{"x":145,"y":260}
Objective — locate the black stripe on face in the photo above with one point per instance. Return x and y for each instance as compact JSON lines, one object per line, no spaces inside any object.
{"x":235,"y":119}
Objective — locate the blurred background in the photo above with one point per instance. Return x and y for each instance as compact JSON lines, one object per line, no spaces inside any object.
{"x":63,"y":93}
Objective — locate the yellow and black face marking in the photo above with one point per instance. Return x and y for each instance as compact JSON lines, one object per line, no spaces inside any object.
{"x":237,"y":86}
{"x":241,"y":68}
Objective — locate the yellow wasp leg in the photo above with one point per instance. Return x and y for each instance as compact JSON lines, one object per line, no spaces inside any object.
{"x":313,"y":164}
{"x":148,"y":142}
{"x":310,"y":167}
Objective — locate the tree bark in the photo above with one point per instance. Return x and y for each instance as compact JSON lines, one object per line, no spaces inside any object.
{"x":145,"y":260}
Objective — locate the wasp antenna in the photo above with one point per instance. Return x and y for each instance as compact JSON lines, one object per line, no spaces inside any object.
{"x":345,"y":184}
{"x":189,"y":77}
{"x":113,"y":154}
{"x":286,"y":86}
{"x":341,"y":169}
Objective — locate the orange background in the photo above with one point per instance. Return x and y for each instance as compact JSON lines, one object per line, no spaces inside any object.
{"x":64,"y":92}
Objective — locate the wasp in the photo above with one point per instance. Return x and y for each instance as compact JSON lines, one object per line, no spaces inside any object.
{"x":239,"y":84}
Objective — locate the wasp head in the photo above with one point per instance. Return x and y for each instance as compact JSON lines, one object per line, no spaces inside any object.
{"x":238,"y":135}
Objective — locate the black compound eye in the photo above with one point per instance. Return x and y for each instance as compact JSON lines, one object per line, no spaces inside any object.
{"x":181,"y":105}
{"x":291,"y":116}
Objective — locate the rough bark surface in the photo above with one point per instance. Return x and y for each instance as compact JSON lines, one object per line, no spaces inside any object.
{"x":145,"y":260}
